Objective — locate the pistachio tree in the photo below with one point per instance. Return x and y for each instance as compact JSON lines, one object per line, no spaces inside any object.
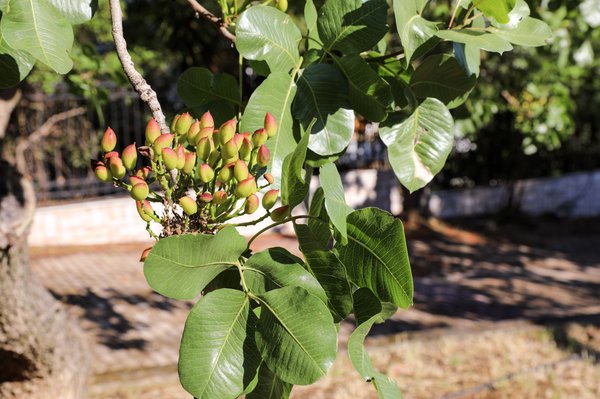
{"x":266,"y":321}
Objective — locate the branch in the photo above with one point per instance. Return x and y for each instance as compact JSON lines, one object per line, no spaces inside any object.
{"x":137,"y":81}
{"x":204,"y":13}
{"x":41,"y":132}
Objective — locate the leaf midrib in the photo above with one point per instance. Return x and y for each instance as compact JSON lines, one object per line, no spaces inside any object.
{"x":208,"y":264}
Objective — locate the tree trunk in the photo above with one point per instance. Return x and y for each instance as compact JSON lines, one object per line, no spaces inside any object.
{"x":41,"y":350}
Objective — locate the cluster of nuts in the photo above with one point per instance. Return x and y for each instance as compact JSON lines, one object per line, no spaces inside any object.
{"x":201,"y":176}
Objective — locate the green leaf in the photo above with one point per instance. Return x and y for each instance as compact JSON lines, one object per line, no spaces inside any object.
{"x":36,"y":27}
{"x":198,"y":86}
{"x":328,"y":270}
{"x":352,"y":26}
{"x":414,"y":30}
{"x":310,"y":16}
{"x":322,"y":94}
{"x":295,"y":335}
{"x":335,"y":201}
{"x":365,"y":305}
{"x":497,"y":9}
{"x":386,"y":388}
{"x":265,"y":33}
{"x":274,"y":95}
{"x":441,"y":76}
{"x":181,"y":266}
{"x":3,"y":5}
{"x":269,"y":386}
{"x":320,"y":228}
{"x":376,"y":256}
{"x":418,"y":145}
{"x":294,"y":185}
{"x":469,"y":57}
{"x":276,"y":268}
{"x":14,"y":65}
{"x":482,"y":40}
{"x":75,"y":11}
{"x":218,"y":357}
{"x":370,"y":95}
{"x":530,"y":32}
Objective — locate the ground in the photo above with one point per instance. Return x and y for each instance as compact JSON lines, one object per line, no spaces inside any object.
{"x":502,"y":310}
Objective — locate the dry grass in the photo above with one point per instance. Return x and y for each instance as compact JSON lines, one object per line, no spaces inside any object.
{"x":451,"y":364}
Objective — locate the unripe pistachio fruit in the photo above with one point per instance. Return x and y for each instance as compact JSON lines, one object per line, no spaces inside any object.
{"x":190,"y":163}
{"x":227,"y":131}
{"x":111,"y":154}
{"x":144,"y":172}
{"x":130,"y":157}
{"x":246,"y":188}
{"x":252,"y":204}
{"x":180,"y":157}
{"x":204,"y":147}
{"x":116,"y":167}
{"x":102,"y":173}
{"x":109,"y":140}
{"x":280,"y":214}
{"x":229,"y":150}
{"x":136,"y":180}
{"x":246,"y":149}
{"x":226,"y":173}
{"x":152,"y":131}
{"x":193,"y":133}
{"x":144,"y":210}
{"x":206,"y":173}
{"x":188,"y":205}
{"x":183,"y":124}
{"x":206,"y":197}
{"x":140,"y":191}
{"x":271,"y":123}
{"x":174,"y":122}
{"x":269,"y":199}
{"x":220,"y":197}
{"x":170,"y":158}
{"x":260,"y":137}
{"x":282,"y":5}
{"x":207,"y":120}
{"x":263,"y":156}
{"x":269,"y":178}
{"x":240,"y":170}
{"x":214,"y":158}
{"x":164,"y":141}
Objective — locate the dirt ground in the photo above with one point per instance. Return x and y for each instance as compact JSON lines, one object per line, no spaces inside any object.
{"x":502,"y":310}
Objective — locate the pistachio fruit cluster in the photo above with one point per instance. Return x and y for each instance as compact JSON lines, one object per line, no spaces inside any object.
{"x":201,"y":176}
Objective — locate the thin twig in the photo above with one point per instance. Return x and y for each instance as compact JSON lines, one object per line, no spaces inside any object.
{"x":137,"y":80}
{"x":209,"y":16}
{"x":43,"y":131}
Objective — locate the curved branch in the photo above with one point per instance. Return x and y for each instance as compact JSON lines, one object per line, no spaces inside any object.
{"x":137,"y":80}
{"x":204,"y":13}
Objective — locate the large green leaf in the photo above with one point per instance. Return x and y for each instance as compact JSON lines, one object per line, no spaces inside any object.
{"x":441,"y":76}
{"x":469,"y":57}
{"x":180,"y":267}
{"x":296,"y":335}
{"x":198,"y":86}
{"x":386,"y":388}
{"x":414,"y":30}
{"x":294,"y":183}
{"x":328,"y":270}
{"x":218,"y":357}
{"x":366,"y":305}
{"x":322,"y":94}
{"x":352,"y":26}
{"x":269,"y":386}
{"x":274,"y":95}
{"x":75,"y":11}
{"x":484,"y":40}
{"x":376,"y":256}
{"x":310,"y":16}
{"x":418,"y":145}
{"x":530,"y":32}
{"x":276,"y":268}
{"x":14,"y":65}
{"x":369,"y":94}
{"x":265,"y":33}
{"x":36,"y":27}
{"x":497,"y":9}
{"x":320,"y":226}
{"x":335,"y":201}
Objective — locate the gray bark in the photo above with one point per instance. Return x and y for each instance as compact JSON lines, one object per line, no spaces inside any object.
{"x":41,"y":349}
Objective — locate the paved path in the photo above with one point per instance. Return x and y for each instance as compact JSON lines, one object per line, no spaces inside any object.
{"x":134,"y":332}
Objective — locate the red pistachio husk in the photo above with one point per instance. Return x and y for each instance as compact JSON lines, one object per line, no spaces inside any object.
{"x":263,"y":156}
{"x":144,"y":172}
{"x":190,"y":163}
{"x":240,"y":170}
{"x":170,"y":158}
{"x":270,"y":125}
{"x":246,"y":188}
{"x":144,"y":210}
{"x":189,"y":206}
{"x":226,"y":173}
{"x":116,"y":167}
{"x":129,"y":157}
{"x":140,"y":191}
{"x":220,"y":197}
{"x":103,"y":173}
{"x":183,"y":124}
{"x":180,"y":157}
{"x":206,"y":197}
{"x":260,"y":137}
{"x":193,"y":132}
{"x":207,"y":121}
{"x":227,"y":131}
{"x":229,"y":150}
{"x":270,"y":199}
{"x":204,"y":148}
{"x":164,"y":141}
{"x":252,"y":204}
{"x":152,"y":131}
{"x":206,"y":173}
{"x":109,"y":140}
